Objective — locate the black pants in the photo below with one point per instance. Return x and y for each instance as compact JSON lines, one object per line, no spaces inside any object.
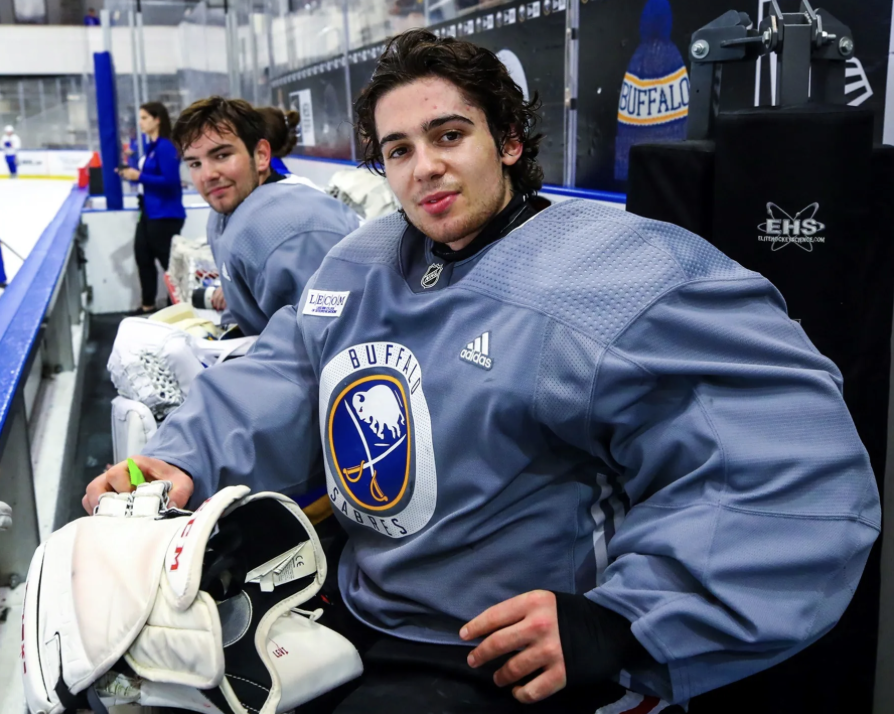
{"x":417,"y":678}
{"x":153,"y":242}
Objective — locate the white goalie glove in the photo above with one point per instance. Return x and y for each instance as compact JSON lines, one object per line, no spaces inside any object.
{"x":153,"y":363}
{"x":144,"y":604}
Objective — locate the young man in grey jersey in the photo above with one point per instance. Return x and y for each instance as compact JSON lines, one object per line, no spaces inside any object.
{"x":268,"y":232}
{"x":567,"y":444}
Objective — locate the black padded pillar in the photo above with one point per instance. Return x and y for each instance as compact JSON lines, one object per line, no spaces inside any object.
{"x":802,"y":196}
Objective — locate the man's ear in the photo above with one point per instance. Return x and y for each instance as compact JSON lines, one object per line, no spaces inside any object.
{"x":263,"y":154}
{"x":512,"y":149}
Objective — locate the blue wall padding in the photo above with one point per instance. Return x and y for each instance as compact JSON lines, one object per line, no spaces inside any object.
{"x":107,"y":113}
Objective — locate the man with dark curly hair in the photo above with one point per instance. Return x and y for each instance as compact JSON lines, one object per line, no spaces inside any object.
{"x":570,"y":447}
{"x":477,"y":141}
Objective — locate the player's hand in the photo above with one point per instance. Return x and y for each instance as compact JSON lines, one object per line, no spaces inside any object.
{"x":528,"y":623}
{"x":117,"y":480}
{"x":218,"y":301}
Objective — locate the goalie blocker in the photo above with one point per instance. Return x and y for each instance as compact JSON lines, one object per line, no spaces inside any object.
{"x":147,"y":604}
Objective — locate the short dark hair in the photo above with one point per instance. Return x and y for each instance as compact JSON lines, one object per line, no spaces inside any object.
{"x":159,"y":111}
{"x":235,"y":116}
{"x":280,"y":130}
{"x":484,"y":82}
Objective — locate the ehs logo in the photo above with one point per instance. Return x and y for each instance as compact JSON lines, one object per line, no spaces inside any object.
{"x":780,"y":229}
{"x":380,"y":466}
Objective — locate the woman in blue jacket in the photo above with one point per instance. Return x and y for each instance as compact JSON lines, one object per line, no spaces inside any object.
{"x":161,"y":199}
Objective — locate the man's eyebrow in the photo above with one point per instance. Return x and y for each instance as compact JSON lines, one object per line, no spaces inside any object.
{"x":396,"y":136}
{"x":440,"y":121}
{"x":212,"y":150}
{"x":428,"y":126}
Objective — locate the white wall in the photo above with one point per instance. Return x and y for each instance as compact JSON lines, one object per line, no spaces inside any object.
{"x":111,"y":268}
{"x":48,"y":164}
{"x":202,"y":48}
{"x":68,"y":49}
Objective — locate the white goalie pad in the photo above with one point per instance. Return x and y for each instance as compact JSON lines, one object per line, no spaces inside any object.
{"x":145,"y":604}
{"x":367,"y":193}
{"x":190,"y":266}
{"x":133,"y":424}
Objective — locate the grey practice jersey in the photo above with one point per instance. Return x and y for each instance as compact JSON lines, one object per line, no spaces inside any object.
{"x":270,"y":246}
{"x":213,"y":229}
{"x":215,"y":226}
{"x":600,"y":404}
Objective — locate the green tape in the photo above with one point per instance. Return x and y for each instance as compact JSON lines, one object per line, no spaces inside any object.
{"x":136,"y":476}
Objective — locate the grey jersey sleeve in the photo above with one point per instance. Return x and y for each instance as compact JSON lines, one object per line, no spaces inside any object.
{"x":262,"y":283}
{"x":251,"y":420}
{"x":287,"y":270}
{"x":740,"y":507}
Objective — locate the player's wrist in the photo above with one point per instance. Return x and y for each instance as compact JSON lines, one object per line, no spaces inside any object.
{"x":597,"y":643}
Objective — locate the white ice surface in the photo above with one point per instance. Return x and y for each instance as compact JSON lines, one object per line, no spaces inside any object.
{"x":26,"y":208}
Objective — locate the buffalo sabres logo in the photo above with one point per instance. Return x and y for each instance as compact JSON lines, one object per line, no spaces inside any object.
{"x":376,"y":407}
{"x":377,"y":436}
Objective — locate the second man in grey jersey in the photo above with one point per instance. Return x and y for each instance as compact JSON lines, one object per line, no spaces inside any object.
{"x":272,"y":231}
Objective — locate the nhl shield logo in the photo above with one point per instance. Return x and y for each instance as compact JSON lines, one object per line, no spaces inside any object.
{"x":377,"y":437}
{"x":430,"y":279}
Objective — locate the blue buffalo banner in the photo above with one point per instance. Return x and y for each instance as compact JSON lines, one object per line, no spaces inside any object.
{"x":654,"y":100}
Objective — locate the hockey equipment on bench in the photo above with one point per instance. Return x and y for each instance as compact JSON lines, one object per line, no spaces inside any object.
{"x":146,"y":604}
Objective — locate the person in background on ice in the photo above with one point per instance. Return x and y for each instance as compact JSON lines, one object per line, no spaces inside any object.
{"x":161,"y":201}
{"x":567,"y":444}
{"x":3,"y":278}
{"x":11,"y":145}
{"x":90,"y":19}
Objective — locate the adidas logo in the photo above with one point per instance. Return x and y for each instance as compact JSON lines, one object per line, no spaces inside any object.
{"x":478,"y":351}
